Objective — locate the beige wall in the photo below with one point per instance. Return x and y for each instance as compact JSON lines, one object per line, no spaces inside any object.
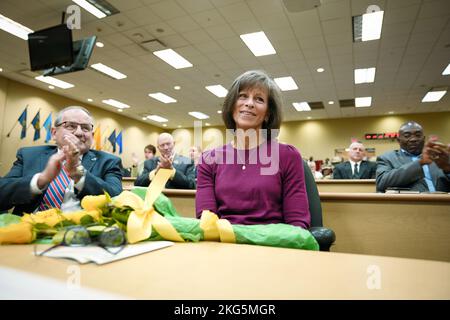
{"x":318,"y":138}
{"x":14,"y":96}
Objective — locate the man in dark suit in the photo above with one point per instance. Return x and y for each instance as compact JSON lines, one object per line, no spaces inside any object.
{"x":416,"y":166}
{"x":356,"y":167}
{"x":183,"y":174}
{"x":60,"y":176}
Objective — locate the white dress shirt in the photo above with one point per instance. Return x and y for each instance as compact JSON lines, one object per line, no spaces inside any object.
{"x":70,"y":201}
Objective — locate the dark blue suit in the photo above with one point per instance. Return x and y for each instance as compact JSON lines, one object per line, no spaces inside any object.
{"x":367,"y":170}
{"x":184,"y":177}
{"x":103,"y":173}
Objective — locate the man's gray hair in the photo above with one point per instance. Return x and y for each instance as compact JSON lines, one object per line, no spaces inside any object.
{"x":60,"y":114}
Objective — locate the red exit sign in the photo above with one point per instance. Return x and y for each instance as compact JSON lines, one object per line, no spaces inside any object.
{"x":381,"y":136}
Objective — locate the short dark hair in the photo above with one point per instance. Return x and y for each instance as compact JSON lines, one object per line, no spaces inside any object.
{"x":250,"y":79}
{"x":59,"y":115}
{"x":151,"y":148}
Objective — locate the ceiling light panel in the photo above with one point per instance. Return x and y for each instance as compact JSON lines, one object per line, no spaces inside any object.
{"x":162,"y":97}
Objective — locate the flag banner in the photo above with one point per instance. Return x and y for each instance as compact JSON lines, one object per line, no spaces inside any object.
{"x":112,"y":139}
{"x":48,"y":128}
{"x":23,"y":122}
{"x":119,"y":141}
{"x":36,"y":122}
{"x":98,"y":138}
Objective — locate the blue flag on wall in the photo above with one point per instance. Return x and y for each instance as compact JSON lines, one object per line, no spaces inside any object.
{"x":36,"y":122}
{"x":23,"y":122}
{"x":119,"y":141}
{"x":112,"y":139}
{"x":48,"y":127}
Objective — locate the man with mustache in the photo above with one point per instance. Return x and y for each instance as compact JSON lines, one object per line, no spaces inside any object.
{"x":416,"y":166}
{"x":60,"y":176}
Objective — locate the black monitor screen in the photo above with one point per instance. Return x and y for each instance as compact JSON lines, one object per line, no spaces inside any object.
{"x":51,"y":47}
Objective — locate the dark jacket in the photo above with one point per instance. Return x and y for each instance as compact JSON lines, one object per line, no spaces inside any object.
{"x":367,"y":170}
{"x":103,"y":173}
{"x":395,"y":169}
{"x":184,"y":177}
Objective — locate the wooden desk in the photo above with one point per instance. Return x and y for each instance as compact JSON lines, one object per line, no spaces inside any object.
{"x":346,"y":185}
{"x":351,"y":185}
{"x":210,"y":270}
{"x":398,"y":225}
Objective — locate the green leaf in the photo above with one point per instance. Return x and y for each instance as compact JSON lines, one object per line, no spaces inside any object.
{"x":87,"y":219}
{"x":41,"y":226}
{"x":7,"y":218}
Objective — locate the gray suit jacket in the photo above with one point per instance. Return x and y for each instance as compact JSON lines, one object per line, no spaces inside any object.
{"x":184,"y":177}
{"x":367,"y":170}
{"x":395,"y":169}
{"x":103,"y":173}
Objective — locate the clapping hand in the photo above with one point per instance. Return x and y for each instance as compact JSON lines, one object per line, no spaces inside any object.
{"x":439,"y":153}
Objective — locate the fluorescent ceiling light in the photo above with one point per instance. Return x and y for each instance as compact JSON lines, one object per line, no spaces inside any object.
{"x":301,"y":106}
{"x":116,"y":104}
{"x":331,"y":102}
{"x":217,"y":90}
{"x":99,"y":44}
{"x":14,"y":28}
{"x":108,"y":71}
{"x":365,"y":75}
{"x":55,"y":82}
{"x":174,"y":59}
{"x":157,"y":118}
{"x":320,"y":70}
{"x":433,"y":96}
{"x":258,"y":43}
{"x":162,"y":97}
{"x":363,"y":102}
{"x":198,"y":115}
{"x":446,"y":71}
{"x":90,"y":8}
{"x":371,"y":25}
{"x":286,"y":83}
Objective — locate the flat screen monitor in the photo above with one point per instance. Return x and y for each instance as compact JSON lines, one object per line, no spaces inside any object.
{"x":51,"y":47}
{"x":82,"y":51}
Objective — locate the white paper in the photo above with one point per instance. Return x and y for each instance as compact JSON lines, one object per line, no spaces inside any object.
{"x":101,"y":256}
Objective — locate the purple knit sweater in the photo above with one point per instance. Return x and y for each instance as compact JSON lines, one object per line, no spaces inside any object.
{"x":271,"y":188}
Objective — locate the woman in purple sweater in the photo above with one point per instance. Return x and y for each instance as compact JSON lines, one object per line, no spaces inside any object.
{"x":254,"y":179}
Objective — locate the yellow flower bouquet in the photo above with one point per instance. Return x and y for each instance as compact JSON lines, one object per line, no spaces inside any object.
{"x":148,"y":216}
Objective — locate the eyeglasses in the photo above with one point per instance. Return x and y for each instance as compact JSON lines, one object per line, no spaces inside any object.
{"x":73,"y":126}
{"x":78,"y":236}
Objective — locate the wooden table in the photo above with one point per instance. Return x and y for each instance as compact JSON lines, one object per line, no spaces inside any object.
{"x":210,"y":270}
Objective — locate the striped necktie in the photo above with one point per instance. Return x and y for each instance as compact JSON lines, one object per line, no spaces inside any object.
{"x":54,"y":195}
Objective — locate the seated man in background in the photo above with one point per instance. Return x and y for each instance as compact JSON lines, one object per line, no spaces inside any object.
{"x":355,"y":167}
{"x":195,"y":152}
{"x":138,"y":167}
{"x":183,"y":176}
{"x":317,"y":174}
{"x":416,"y":166}
{"x":60,"y":176}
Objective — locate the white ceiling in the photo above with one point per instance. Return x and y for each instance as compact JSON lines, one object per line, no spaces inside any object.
{"x":413,"y":51}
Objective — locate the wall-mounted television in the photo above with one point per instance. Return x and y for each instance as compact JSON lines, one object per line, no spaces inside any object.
{"x":82,"y":51}
{"x":50,"y":47}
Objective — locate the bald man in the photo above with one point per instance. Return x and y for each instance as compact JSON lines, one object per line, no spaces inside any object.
{"x":416,"y":166}
{"x":356,"y":167}
{"x":183,"y":174}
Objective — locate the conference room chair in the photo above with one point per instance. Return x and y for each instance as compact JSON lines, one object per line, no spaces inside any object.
{"x":324,"y":236}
